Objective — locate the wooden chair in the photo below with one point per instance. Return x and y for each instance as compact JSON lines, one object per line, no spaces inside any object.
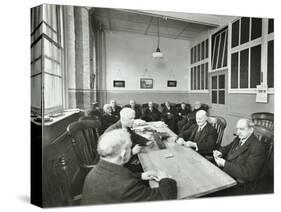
{"x":263,"y":119}
{"x":220,"y":124}
{"x":96,"y":119}
{"x":84,"y":138}
{"x":266,"y":175}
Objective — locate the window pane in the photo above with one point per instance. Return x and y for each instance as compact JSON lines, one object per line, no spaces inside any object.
{"x":225,"y":51}
{"x":245,"y":23}
{"x":36,"y":91}
{"x":221,"y":50}
{"x":36,"y":67}
{"x":207,"y":48}
{"x":235,"y":34}
{"x":221,"y":81}
{"x":244,"y":68}
{"x":202,"y":76}
{"x":256,"y":28}
{"x":270,"y":25}
{"x":52,"y":91}
{"x":195,"y":78}
{"x":214,"y":97}
{"x":255,"y":66}
{"x":214,"y":82}
{"x":206,"y":74}
{"x":202,"y":50}
{"x":199,"y":52}
{"x":270,"y":64}
{"x":191,"y":56}
{"x":198,"y":78}
{"x":214,"y":62}
{"x":191,"y":79}
{"x":234,"y":70}
{"x":195,"y":54}
{"x":221,"y":97}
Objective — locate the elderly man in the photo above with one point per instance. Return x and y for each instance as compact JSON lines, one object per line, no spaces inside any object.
{"x":115,"y":108}
{"x":200,"y":136}
{"x":107,"y":119}
{"x":151,"y":113}
{"x":110,"y":182}
{"x":136,"y":108}
{"x":244,"y":157}
{"x":168,"y":115}
{"x":127,"y":117}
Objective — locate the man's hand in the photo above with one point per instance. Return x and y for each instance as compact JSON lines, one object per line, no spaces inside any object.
{"x":149,"y":175}
{"x":180,"y":141}
{"x":190,"y":144}
{"x":217,"y":154}
{"x":136,"y":149}
{"x":220,"y":161}
{"x":150,"y":144}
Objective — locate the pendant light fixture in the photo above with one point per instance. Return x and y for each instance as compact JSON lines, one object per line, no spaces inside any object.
{"x":158,"y":53}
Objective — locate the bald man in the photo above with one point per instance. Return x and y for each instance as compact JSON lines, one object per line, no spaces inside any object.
{"x":132,"y":104}
{"x":110,"y":182}
{"x":201,"y":136}
{"x":115,"y":108}
{"x":243,"y":158}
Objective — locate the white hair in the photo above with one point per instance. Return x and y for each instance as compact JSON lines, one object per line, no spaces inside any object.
{"x":106,"y":106}
{"x":113,"y":142}
{"x":125,"y":112}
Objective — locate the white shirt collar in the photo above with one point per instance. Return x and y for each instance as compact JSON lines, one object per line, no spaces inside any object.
{"x":244,"y":139}
{"x":202,"y":127}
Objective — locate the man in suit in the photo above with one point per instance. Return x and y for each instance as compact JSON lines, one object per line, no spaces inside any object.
{"x":107,"y":119}
{"x":110,"y":182}
{"x":182,"y":115}
{"x":201,"y":136}
{"x":127,"y":117}
{"x":243,"y":158}
{"x":151,"y":113}
{"x":136,"y":108}
{"x":115,"y":108}
{"x":169,"y":116}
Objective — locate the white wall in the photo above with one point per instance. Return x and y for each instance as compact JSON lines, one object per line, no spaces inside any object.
{"x":129,"y":55}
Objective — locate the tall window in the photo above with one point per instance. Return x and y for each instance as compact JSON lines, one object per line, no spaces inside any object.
{"x":199,"y":66}
{"x":219,"y":49}
{"x":249,"y":38}
{"x":46,"y":64}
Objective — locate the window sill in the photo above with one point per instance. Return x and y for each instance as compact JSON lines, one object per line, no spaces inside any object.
{"x":53,"y":120}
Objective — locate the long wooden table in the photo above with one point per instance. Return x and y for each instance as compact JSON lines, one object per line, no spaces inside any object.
{"x":195,"y":175}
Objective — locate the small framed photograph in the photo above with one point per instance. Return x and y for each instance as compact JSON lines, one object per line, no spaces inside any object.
{"x":119,"y":83}
{"x":171,"y":83}
{"x":146,"y":83}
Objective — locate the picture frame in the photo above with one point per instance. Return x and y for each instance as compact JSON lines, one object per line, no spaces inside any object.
{"x":119,"y":83}
{"x":146,"y":83}
{"x":171,"y":83}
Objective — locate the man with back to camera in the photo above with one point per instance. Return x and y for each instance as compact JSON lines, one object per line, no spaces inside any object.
{"x":110,"y":182}
{"x":127,"y":117}
{"x":243,"y":158}
{"x":201,"y":136}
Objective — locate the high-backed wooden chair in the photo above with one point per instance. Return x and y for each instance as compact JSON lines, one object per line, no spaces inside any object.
{"x":96,"y":119}
{"x":220,"y":124}
{"x":266,"y":175}
{"x":84,"y":138}
{"x":264,"y":119}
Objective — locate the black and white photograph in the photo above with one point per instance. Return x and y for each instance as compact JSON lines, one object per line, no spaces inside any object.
{"x":206,"y":132}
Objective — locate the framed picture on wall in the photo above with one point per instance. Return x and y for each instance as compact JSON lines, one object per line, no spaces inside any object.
{"x":119,"y":83}
{"x":146,"y":83}
{"x":171,"y":83}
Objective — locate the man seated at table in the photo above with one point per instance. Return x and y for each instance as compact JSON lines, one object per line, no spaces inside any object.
{"x":127,"y":117}
{"x":243,"y":158}
{"x":182,"y":115}
{"x":107,"y":119}
{"x":136,"y":108}
{"x":115,"y":108}
{"x":201,"y":136}
{"x":110,"y":182}
{"x":168,"y":116}
{"x":151,"y":113}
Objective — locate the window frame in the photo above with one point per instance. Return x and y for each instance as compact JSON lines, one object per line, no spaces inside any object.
{"x":263,"y":41}
{"x":199,"y":62}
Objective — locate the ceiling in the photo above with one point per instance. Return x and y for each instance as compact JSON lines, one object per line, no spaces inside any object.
{"x":182,"y":26}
